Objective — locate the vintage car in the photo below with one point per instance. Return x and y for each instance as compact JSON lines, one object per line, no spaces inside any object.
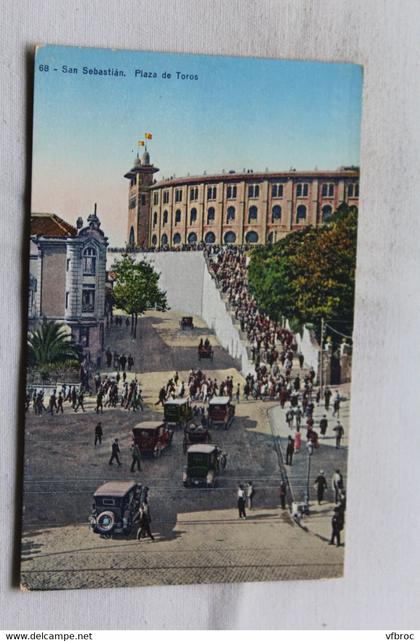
{"x":204,"y":462}
{"x":186,"y":322}
{"x":152,"y":437}
{"x":195,"y":433}
{"x":205,"y":351}
{"x":115,"y":508}
{"x":221,"y":412}
{"x":177,"y":412}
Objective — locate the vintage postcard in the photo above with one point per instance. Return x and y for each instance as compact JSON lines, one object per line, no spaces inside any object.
{"x":190,"y":315}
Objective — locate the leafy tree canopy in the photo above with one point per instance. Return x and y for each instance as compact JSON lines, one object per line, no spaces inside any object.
{"x":136,"y":288}
{"x":309,"y":274}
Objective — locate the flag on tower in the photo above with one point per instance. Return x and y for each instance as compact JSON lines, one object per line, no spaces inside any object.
{"x":140,"y":143}
{"x":148,"y":136}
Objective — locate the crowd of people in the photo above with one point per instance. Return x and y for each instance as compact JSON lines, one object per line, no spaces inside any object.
{"x":199,"y":387}
{"x":120,"y":362}
{"x":108,"y":394}
{"x":272,"y":347}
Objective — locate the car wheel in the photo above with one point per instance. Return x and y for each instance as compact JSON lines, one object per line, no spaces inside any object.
{"x":105,"y":522}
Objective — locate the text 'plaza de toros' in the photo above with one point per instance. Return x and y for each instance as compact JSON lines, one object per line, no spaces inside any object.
{"x":231,"y":208}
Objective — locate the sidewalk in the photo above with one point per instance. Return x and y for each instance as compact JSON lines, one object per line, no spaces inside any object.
{"x":326,"y":458}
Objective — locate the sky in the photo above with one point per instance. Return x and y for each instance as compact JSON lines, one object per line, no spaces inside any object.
{"x":234,"y":113}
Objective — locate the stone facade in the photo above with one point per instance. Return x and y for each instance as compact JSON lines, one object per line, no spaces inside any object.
{"x":67,"y":279}
{"x":232,"y":208}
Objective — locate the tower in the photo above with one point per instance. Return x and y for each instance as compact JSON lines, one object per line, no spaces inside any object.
{"x":141,"y":179}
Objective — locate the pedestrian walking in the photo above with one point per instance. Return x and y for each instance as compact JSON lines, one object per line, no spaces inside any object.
{"x":144,"y":523}
{"x":336,"y":405}
{"x":323,"y":425}
{"x":289,"y":418}
{"x":52,"y":405}
{"x":115,"y":453}
{"x":337,"y":484}
{"x":79,"y":403}
{"x":98,"y":434}
{"x":250,"y":493}
{"x":162,"y":397}
{"x":336,"y":528}
{"x":339,"y":433}
{"x":241,"y":502}
{"x":327,"y":398}
{"x":290,"y":449}
{"x":60,"y":401}
{"x":320,"y":485}
{"x":99,"y":401}
{"x":136,"y":457}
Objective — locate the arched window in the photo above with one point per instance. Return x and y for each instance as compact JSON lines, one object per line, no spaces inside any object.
{"x":177,"y":216}
{"x":155,"y":219}
{"x":230,"y":214}
{"x":192,"y":238}
{"x":276,"y":214}
{"x":209,"y":238}
{"x":89,"y":261}
{"x":252,"y":213}
{"x":211,"y":215}
{"x":326,"y":213}
{"x":193,"y":215}
{"x":229,"y":237}
{"x":131,"y":237}
{"x":177,"y":239}
{"x":301,"y":214}
{"x":165,"y":217}
{"x":154,"y":239}
{"x":251,"y":237}
{"x":164,"y":239}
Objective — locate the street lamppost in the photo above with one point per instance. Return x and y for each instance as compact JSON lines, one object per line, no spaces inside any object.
{"x":310,"y":450}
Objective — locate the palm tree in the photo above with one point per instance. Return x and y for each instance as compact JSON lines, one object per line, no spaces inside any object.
{"x":50,"y":344}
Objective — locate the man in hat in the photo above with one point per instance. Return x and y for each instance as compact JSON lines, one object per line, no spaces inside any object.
{"x":115,"y":453}
{"x":336,"y":527}
{"x":320,"y":485}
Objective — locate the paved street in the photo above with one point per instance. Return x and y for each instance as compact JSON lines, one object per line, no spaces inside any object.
{"x":199,"y":537}
{"x":326,"y":458}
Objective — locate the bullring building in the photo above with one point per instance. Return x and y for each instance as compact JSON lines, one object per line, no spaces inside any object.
{"x":231,"y":208}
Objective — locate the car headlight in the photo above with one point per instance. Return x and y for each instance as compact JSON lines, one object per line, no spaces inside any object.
{"x":184,"y":476}
{"x":209,"y":477}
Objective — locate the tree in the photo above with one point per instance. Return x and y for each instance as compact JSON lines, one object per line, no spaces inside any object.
{"x":309,"y":274}
{"x":136,"y":289}
{"x":51,"y":345}
{"x":325,"y":272}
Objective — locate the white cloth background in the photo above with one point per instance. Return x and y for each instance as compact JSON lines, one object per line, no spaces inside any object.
{"x":381,"y":586}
